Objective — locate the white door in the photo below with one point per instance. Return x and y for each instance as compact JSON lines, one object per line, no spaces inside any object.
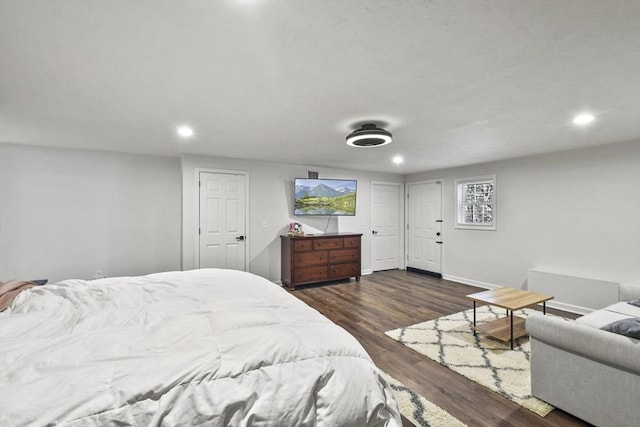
{"x":385,"y":228}
{"x":424,"y":225}
{"x":222,"y":237}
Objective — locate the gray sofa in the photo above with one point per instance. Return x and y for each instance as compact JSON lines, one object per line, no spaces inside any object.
{"x":590,"y":373}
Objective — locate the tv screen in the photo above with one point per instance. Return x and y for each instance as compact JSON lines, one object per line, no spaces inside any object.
{"x":325,"y":197}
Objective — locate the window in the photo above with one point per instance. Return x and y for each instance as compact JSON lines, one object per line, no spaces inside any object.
{"x":476,"y":203}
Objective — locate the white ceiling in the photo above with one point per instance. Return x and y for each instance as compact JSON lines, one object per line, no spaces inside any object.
{"x":456,"y":82}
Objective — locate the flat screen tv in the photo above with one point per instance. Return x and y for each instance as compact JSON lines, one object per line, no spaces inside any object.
{"x":325,"y":197}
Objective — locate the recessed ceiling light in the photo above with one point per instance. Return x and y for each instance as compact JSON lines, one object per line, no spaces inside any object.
{"x":185,"y":131}
{"x":398,"y":160}
{"x":583,"y":119}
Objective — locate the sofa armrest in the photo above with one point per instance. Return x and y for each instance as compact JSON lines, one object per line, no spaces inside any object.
{"x":628,"y":291}
{"x":595,"y":344}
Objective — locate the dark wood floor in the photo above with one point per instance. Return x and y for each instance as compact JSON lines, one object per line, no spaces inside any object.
{"x":395,"y":298}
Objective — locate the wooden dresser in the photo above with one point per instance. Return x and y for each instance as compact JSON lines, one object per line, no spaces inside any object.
{"x":313,"y":259}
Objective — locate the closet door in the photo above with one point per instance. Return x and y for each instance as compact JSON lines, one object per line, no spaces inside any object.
{"x":386,"y":244}
{"x":222,"y":237}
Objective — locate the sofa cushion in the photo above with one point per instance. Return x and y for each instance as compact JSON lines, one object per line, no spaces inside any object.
{"x":627,"y":327}
{"x":624,"y":308}
{"x":599,"y":318}
{"x":610,"y":314}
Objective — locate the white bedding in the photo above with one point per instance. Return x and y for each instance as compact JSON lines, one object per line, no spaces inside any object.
{"x":204,"y":347}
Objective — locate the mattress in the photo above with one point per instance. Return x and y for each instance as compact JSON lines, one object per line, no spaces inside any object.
{"x":203,"y":347}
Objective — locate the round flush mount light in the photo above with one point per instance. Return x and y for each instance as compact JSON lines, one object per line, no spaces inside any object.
{"x":583,"y":119}
{"x":369,"y":135}
{"x":185,"y":131}
{"x":397,"y":160}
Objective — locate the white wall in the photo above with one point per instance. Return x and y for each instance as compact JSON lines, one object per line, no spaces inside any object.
{"x":270,"y":202}
{"x":70,"y":213}
{"x":576,"y":212}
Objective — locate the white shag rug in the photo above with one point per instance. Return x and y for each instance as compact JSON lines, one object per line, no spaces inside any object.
{"x":419,"y":410}
{"x":449,"y":340}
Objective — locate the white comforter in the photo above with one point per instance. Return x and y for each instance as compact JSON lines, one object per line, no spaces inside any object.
{"x":204,"y":347}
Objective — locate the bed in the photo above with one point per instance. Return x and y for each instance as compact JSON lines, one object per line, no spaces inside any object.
{"x":203,"y":347}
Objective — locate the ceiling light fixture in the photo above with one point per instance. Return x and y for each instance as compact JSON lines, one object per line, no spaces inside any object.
{"x":583,"y":119}
{"x":398,"y":160}
{"x":369,"y":135}
{"x":185,"y":131}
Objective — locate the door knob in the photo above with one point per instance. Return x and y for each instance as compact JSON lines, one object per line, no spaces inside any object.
{"x":438,"y":233}
{"x":240,"y":238}
{"x":374,"y":232}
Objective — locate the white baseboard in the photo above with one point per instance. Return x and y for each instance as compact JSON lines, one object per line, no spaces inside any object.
{"x":571,"y":308}
{"x":471,"y":282}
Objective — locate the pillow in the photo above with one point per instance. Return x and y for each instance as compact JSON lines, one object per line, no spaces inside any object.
{"x":627,"y":327}
{"x":10,"y":290}
{"x":6,"y":287}
{"x":635,"y":302}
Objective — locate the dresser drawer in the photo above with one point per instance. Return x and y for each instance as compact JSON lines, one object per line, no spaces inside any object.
{"x":352,"y":242}
{"x":345,"y":255}
{"x":344,"y":270}
{"x":328,"y":243}
{"x":304,"y":259}
{"x":302,"y":245}
{"x":311,"y":274}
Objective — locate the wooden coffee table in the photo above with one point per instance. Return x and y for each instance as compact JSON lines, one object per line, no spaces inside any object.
{"x":510,"y":327}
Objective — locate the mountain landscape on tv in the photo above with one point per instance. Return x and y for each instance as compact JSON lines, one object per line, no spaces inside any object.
{"x":325,"y":197}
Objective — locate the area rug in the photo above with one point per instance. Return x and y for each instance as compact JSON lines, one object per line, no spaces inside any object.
{"x":419,"y":410}
{"x":449,"y":341}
